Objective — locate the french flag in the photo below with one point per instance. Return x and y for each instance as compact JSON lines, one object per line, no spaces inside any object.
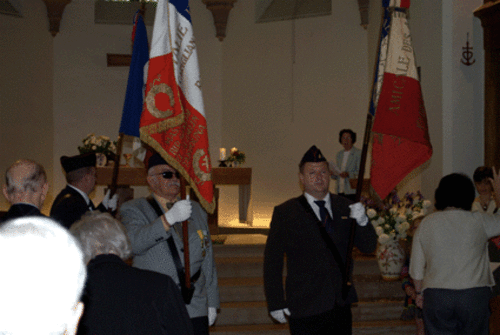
{"x":400,"y":133}
{"x":173,"y":120}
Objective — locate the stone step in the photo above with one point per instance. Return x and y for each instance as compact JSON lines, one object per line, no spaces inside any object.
{"x":368,"y":287}
{"x":253,"y":266}
{"x":392,"y":327}
{"x":255,"y":312}
{"x":239,"y":250}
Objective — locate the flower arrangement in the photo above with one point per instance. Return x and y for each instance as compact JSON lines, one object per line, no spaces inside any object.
{"x":236,"y":156}
{"x":101,"y":144}
{"x":393,"y":219}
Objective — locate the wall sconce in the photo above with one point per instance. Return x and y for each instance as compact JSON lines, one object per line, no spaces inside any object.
{"x":220,"y":11}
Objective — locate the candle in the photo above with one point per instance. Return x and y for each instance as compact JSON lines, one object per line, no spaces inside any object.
{"x":222,"y":154}
{"x":233,"y":150}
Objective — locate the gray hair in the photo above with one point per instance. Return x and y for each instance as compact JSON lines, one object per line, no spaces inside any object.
{"x":100,"y":233}
{"x":42,"y":279}
{"x":31,"y":182}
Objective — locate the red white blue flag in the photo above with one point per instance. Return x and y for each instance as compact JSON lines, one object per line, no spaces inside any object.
{"x":173,"y":119}
{"x":400,"y":134}
{"x":132,"y":108}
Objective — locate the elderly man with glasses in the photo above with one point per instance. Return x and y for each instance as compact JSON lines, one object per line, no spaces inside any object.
{"x":157,"y":241}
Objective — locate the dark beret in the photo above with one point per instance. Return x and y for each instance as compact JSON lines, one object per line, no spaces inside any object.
{"x":77,"y":162}
{"x":313,"y":155}
{"x":154,"y":160}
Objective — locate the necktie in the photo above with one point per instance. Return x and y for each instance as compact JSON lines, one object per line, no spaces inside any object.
{"x":325,"y":216}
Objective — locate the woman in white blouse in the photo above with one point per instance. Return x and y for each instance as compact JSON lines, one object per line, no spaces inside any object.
{"x":449,"y":261}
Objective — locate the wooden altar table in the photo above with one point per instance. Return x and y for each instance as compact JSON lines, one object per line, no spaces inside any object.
{"x":242,"y":177}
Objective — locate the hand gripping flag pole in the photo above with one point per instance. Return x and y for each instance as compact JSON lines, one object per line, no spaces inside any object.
{"x":401,"y":139}
{"x":173,"y":119}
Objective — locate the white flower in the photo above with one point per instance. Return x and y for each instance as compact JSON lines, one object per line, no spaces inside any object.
{"x":396,"y":226}
{"x":408,"y":211}
{"x":403,"y":227}
{"x":93,"y":140}
{"x":387,"y":226}
{"x":381,"y":220}
{"x":383,"y":239}
{"x":94,"y":147}
{"x":392,"y":235}
{"x":379,"y":230}
{"x":371,"y":213}
{"x":401,"y":218}
{"x":426,"y":204}
{"x":393,"y":210}
{"x":402,"y":235}
{"x":105,"y":138}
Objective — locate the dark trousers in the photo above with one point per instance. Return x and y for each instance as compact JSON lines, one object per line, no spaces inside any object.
{"x":337,"y":321}
{"x":200,"y":325}
{"x":457,"y":312}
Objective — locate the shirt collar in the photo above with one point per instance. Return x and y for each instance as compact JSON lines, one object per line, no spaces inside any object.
{"x":83,"y":194}
{"x":162,"y":201}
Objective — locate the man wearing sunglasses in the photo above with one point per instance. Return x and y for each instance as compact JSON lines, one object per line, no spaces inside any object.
{"x":154,"y":229}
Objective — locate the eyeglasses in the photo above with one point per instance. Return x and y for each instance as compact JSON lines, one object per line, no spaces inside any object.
{"x":169,"y":174}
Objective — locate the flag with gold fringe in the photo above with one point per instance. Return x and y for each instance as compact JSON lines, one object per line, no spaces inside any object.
{"x":401,"y":140}
{"x":173,"y":119}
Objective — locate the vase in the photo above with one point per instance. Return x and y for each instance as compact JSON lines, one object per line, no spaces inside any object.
{"x":391,"y":258}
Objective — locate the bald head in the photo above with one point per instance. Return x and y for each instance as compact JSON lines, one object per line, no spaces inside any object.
{"x":25,"y":182}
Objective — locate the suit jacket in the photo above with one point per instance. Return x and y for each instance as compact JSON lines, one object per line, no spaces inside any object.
{"x":314,"y":279}
{"x":151,"y":251}
{"x":352,"y":167}
{"x":20,"y":210}
{"x":69,"y":206}
{"x":119,"y":299}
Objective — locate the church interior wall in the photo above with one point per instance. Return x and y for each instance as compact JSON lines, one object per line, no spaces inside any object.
{"x":26,"y":72}
{"x":270,"y":89}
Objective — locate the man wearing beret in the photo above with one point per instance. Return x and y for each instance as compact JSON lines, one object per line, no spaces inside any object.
{"x":154,"y":229}
{"x":74,"y":201}
{"x":312,"y":230}
{"x":25,"y":189}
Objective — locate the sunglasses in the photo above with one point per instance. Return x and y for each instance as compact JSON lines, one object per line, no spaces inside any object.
{"x":169,"y":174}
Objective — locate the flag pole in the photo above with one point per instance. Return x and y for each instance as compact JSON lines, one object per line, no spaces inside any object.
{"x":346,"y":280}
{"x":116,"y":167}
{"x":185,"y":239}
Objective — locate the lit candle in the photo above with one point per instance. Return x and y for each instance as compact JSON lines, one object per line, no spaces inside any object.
{"x":233,"y":150}
{"x":222,"y":154}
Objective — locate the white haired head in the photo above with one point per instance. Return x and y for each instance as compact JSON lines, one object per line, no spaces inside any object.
{"x":42,"y":277}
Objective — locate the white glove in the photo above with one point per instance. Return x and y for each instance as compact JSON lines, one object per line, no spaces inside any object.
{"x":212,"y":315}
{"x":358,"y":213}
{"x":110,"y":203}
{"x":181,"y":211}
{"x":279,"y":315}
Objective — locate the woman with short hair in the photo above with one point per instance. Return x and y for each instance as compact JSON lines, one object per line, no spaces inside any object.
{"x":119,"y":299}
{"x":449,"y":260}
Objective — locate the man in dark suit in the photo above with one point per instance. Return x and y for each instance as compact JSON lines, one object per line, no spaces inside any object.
{"x":120,"y":299}
{"x":74,"y":201}
{"x":26,"y":188}
{"x":303,"y":229}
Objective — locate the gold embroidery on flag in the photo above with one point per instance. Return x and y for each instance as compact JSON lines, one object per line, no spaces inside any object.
{"x":151,"y":102}
{"x":201,"y":159}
